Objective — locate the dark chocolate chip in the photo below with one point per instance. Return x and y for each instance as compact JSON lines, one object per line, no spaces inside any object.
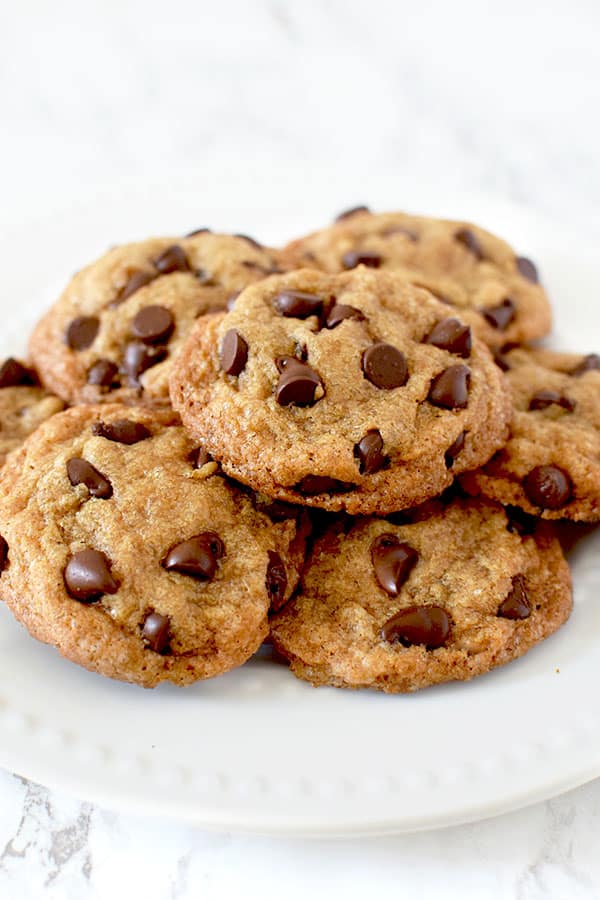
{"x":88,"y":576}
{"x":197,"y":556}
{"x":173,"y":259}
{"x":451,"y":335}
{"x":501,"y":360}
{"x":298,"y":382}
{"x":250,"y":240}
{"x":516,"y":604}
{"x":454,"y":449}
{"x":500,"y":316}
{"x":543,"y":399}
{"x":354,"y":258}
{"x":80,"y":471}
{"x":348,"y":213}
{"x":548,"y":487}
{"x":199,"y":457}
{"x":276,"y":580}
{"x":3,"y":553}
{"x":323,"y":484}
{"x":233,"y":355}
{"x":135,"y":281}
{"x":298,"y":304}
{"x":428,"y":625}
{"x":156,"y":632}
{"x":385,"y":366}
{"x":82,"y":332}
{"x":139,"y":357}
{"x":393,"y":561}
{"x":450,"y":389}
{"x":13,"y":374}
{"x":369,"y":452}
{"x":198,"y":231}
{"x":153,"y":324}
{"x":123,"y":431}
{"x":469,"y":240}
{"x":589,"y":363}
{"x":527,"y":269}
{"x":103,"y":374}
{"x":341,"y":311}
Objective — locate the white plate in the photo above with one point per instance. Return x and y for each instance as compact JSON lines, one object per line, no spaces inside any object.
{"x":256,"y":749}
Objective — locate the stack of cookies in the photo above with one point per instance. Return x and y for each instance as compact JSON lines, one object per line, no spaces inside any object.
{"x":347,"y":446}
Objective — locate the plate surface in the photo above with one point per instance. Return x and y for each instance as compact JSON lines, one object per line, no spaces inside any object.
{"x":255,"y":749}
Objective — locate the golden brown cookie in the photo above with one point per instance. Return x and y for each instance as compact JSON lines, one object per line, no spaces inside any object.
{"x":493,"y":289}
{"x":23,"y":405}
{"x":125,"y":548}
{"x":449,"y":595}
{"x":551,"y":464}
{"x":353,"y":392}
{"x":120,"y":322}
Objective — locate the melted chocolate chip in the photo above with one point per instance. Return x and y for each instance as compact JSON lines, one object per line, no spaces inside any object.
{"x":198,"y":231}
{"x":450,"y":389}
{"x":341,"y":311}
{"x":123,"y":431}
{"x":80,"y":471}
{"x":3,"y":553}
{"x":153,"y":324}
{"x":428,"y":625}
{"x":298,"y":304}
{"x":135,"y":281}
{"x":385,"y":366}
{"x":298,"y":382}
{"x":233,"y":355}
{"x":173,"y":259}
{"x":354,"y":258}
{"x":369,"y":452}
{"x":14,"y":374}
{"x":103,"y":374}
{"x":548,"y":487}
{"x":88,"y":576}
{"x":156,"y":632}
{"x":527,"y":269}
{"x":82,"y":332}
{"x":198,"y":556}
{"x":250,"y":240}
{"x":276,"y":580}
{"x":543,"y":399}
{"x":469,"y":240}
{"x":139,"y":357}
{"x":323,"y":484}
{"x":589,"y":363}
{"x":348,"y":213}
{"x":500,"y":316}
{"x":454,"y":449}
{"x":451,"y":335}
{"x":393,"y":561}
{"x":516,"y":604}
{"x":199,"y":457}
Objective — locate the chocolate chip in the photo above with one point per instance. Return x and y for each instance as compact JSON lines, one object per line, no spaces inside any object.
{"x":428,"y":625}
{"x":450,"y":389}
{"x":135,"y":281}
{"x":500,"y":316}
{"x":393,"y":562}
{"x":385,"y":366}
{"x":451,"y":335}
{"x":276,"y":580}
{"x":82,"y":332}
{"x":156,"y":632}
{"x":468,"y":239}
{"x":249,"y":240}
{"x":233,"y":355}
{"x":519,"y":521}
{"x":298,"y":304}
{"x":548,"y":487}
{"x":323,"y":484}
{"x":527,"y":269}
{"x":454,"y":449}
{"x":298,"y":382}
{"x":123,"y":431}
{"x":543,"y":399}
{"x":3,"y":553}
{"x":13,"y":374}
{"x":138,"y":357}
{"x":354,"y":258}
{"x":153,"y":324}
{"x":198,"y":231}
{"x":80,"y":471}
{"x":197,"y":556}
{"x":199,"y":457}
{"x":516,"y":604}
{"x":369,"y":452}
{"x":173,"y":259}
{"x":103,"y":374}
{"x":501,"y":360}
{"x":589,"y":363}
{"x":341,"y":311}
{"x":88,"y":576}
{"x":348,"y":213}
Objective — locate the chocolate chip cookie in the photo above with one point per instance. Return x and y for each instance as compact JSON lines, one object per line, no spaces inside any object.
{"x":121,"y":321}
{"x":551,"y":465}
{"x":124,"y":547}
{"x":354,"y":392}
{"x":23,"y":405}
{"x":450,"y":595}
{"x":495,"y":291}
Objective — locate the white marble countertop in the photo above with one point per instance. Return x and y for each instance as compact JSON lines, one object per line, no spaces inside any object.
{"x":496,"y":97}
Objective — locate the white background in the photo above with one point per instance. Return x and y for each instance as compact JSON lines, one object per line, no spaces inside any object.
{"x":502,"y":98}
